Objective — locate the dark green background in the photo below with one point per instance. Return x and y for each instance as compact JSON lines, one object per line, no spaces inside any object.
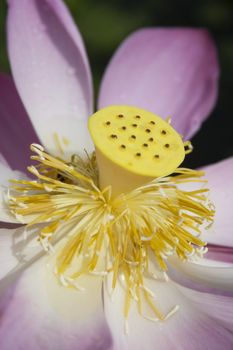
{"x":104,"y":24}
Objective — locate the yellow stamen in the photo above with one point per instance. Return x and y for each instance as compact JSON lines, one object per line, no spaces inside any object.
{"x":95,"y":232}
{"x":58,"y":143}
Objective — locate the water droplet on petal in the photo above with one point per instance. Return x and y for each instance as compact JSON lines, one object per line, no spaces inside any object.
{"x":71,"y":71}
{"x":39,"y":30}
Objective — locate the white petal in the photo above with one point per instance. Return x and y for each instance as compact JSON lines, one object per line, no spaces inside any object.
{"x":8,"y":261}
{"x":209,"y":273}
{"x":7,"y":174}
{"x":19,"y":249}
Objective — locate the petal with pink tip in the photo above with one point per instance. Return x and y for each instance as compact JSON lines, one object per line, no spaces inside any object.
{"x":219,"y":178}
{"x":16,"y":130}
{"x":51,"y":72}
{"x":38,"y":313}
{"x":215,"y":306}
{"x":186,"y":328}
{"x":3,"y":160}
{"x":171,"y":72}
{"x":220,"y":253}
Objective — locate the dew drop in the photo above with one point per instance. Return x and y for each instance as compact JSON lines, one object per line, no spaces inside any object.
{"x":71,"y":71}
{"x":39,"y":30}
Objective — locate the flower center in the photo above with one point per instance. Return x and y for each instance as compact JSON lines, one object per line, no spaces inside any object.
{"x":133,"y":147}
{"x":126,"y":225}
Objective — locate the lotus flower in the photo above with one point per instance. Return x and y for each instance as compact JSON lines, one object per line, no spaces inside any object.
{"x":170,"y":72}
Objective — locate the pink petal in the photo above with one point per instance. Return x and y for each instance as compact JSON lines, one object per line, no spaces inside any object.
{"x":37,"y":313}
{"x":220,"y":177}
{"x":220,"y":253}
{"x":51,"y":72}
{"x":185,"y":329}
{"x":171,"y":72}
{"x":16,"y":130}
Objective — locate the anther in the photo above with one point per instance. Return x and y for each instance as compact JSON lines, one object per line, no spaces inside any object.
{"x":123,"y":146}
{"x":138,"y":117}
{"x":113,"y":136}
{"x":148,"y":130}
{"x":138,"y":154}
{"x":163,"y":132}
{"x":120,"y":116}
{"x":108,"y":123}
{"x":167,"y":145}
{"x":35,"y":146}
{"x":145,"y":144}
{"x":152,"y":122}
{"x":134,"y":125}
{"x":156,"y":156}
{"x":123,"y":127}
{"x":133,"y":137}
{"x":151,"y":139}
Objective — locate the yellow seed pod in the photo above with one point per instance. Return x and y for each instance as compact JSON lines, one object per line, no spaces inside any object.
{"x":133,"y":146}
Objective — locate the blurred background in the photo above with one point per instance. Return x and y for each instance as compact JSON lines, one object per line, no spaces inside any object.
{"x":104,"y":24}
